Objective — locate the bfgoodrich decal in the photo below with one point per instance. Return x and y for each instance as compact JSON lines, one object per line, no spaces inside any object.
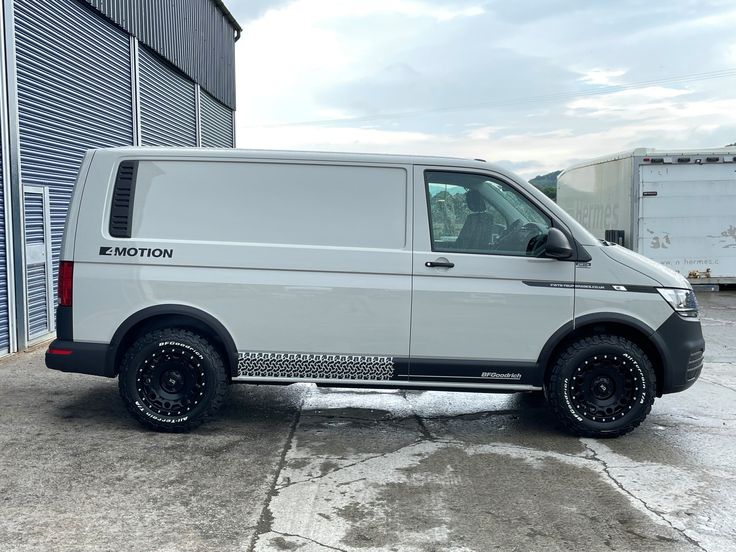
{"x":501,"y":375}
{"x":136,"y":252}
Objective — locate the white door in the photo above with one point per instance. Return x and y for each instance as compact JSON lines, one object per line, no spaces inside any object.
{"x":484,"y":302}
{"x":687,"y":217}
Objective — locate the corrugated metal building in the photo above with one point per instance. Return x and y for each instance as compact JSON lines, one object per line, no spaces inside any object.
{"x":78,"y":74}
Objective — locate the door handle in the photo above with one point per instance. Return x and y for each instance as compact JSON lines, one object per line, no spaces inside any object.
{"x":439,"y":263}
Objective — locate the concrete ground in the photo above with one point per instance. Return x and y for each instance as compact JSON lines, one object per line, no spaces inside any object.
{"x":308,"y":469}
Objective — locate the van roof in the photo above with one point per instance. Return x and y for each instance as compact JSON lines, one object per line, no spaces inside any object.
{"x":224,"y":153}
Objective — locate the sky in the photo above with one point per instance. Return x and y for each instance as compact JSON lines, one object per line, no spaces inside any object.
{"x":534,"y":86}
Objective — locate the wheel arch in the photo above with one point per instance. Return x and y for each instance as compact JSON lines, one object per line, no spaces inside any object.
{"x":172,"y":316}
{"x":613,"y":323}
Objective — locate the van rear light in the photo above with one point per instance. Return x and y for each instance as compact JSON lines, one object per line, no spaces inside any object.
{"x":66,"y":276}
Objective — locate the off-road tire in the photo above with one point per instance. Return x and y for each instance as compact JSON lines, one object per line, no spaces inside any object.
{"x":172,"y":380}
{"x":593,"y":363}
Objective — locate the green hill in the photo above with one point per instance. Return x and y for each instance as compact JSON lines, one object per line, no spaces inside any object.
{"x":545,"y":180}
{"x":547,"y":183}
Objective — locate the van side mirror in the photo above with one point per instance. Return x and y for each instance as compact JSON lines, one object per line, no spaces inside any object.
{"x":557,"y":246}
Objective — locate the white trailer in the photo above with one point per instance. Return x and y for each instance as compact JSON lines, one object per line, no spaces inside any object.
{"x":676,"y":207}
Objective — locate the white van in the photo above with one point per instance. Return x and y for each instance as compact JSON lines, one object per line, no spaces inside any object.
{"x":183,"y":271}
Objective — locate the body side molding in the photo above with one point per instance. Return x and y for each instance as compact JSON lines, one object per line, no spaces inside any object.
{"x":391,"y":384}
{"x":591,"y":285}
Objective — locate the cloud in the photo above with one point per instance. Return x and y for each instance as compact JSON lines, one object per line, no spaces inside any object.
{"x":533,"y":10}
{"x":442,"y":75}
{"x":247,"y":10}
{"x":731,"y":53}
{"x":522,"y":81}
{"x":484,"y":132}
{"x":659,"y":106}
{"x":602,"y":76}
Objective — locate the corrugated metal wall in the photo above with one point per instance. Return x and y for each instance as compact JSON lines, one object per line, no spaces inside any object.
{"x":194,"y":35}
{"x":74,"y":93}
{"x":168,"y":105}
{"x":4,"y":324}
{"x":216,"y":122}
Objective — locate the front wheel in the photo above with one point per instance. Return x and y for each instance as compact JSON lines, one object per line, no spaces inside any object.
{"x":172,"y":380}
{"x":602,"y":386}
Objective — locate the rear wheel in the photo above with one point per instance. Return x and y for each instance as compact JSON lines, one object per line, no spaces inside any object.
{"x":602,"y":386}
{"x":172,"y":380}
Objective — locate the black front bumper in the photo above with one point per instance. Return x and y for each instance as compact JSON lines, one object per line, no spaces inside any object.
{"x":681,"y":344}
{"x":81,"y":358}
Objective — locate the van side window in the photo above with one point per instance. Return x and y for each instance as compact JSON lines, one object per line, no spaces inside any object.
{"x":472,"y":213}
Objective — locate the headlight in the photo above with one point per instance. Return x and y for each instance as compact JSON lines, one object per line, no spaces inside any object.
{"x":682,"y":300}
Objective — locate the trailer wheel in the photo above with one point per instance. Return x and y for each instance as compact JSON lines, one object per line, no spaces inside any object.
{"x":172,"y":380}
{"x":601,"y":386}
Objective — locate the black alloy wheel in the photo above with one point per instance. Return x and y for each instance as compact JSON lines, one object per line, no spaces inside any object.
{"x":172,"y":379}
{"x":601,"y":386}
{"x":605,"y":387}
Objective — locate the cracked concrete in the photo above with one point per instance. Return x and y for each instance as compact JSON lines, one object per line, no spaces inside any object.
{"x":592,"y":446}
{"x":308,"y":469}
{"x":265,"y":520}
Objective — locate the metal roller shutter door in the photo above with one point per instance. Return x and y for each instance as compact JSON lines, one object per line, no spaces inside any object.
{"x":74,"y":93}
{"x":167,"y":103}
{"x":217,"y":122}
{"x":4,"y":318}
{"x":36,"y":215}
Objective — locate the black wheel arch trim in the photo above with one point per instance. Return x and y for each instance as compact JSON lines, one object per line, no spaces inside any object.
{"x":173,"y":310}
{"x":602,"y":318}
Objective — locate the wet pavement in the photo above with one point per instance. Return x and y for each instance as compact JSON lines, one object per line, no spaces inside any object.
{"x":308,"y":469}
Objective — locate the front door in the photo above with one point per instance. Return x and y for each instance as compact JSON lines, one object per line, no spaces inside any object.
{"x":484,"y":299}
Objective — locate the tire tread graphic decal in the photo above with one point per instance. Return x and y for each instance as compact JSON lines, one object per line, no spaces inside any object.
{"x":315,"y":366}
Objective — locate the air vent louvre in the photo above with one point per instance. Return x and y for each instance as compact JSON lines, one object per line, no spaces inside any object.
{"x":121,"y":213}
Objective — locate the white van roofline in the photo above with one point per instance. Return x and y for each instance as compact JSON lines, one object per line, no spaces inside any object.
{"x":282,"y":155}
{"x":153,"y":152}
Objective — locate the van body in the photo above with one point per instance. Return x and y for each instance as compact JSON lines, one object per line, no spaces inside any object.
{"x":185,"y":270}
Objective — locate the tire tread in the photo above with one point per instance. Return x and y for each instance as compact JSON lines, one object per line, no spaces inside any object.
{"x":204,"y":347}
{"x":556,"y":399}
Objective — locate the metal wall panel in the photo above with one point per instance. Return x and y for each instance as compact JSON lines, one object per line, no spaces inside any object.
{"x":168,"y":114}
{"x":9,"y":156}
{"x":4,"y":317}
{"x":74,"y":93}
{"x":197,"y":36}
{"x":216,"y":122}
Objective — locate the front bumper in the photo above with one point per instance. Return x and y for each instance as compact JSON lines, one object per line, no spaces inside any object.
{"x":81,"y":358}
{"x":680,"y":341}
